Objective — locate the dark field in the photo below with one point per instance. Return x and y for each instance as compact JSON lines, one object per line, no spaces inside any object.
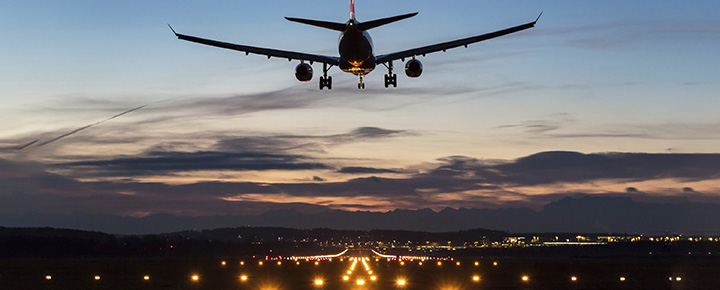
{"x":542,"y":273}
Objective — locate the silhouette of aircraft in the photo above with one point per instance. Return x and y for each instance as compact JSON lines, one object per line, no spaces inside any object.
{"x":355,"y":47}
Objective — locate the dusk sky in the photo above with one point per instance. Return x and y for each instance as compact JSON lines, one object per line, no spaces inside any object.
{"x":104,"y":110}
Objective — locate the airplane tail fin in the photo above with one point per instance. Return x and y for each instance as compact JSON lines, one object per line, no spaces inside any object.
{"x":352,"y":9}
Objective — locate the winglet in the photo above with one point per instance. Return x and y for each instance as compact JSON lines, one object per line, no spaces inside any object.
{"x":538,"y":18}
{"x":173,"y":30}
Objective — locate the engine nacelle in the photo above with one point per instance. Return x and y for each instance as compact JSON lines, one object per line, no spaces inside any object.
{"x":413,"y":68}
{"x":303,"y":72}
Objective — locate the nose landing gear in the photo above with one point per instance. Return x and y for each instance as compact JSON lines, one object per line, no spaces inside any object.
{"x":361,"y":85}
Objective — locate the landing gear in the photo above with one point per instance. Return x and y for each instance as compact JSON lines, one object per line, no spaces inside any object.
{"x":325,"y":80}
{"x":361,"y":85}
{"x":390,"y":77}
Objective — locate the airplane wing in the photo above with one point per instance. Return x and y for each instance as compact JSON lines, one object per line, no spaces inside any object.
{"x":290,"y":55}
{"x":451,"y":44}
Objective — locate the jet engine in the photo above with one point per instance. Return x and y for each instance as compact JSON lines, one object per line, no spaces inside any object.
{"x":303,"y":72}
{"x":413,"y":68}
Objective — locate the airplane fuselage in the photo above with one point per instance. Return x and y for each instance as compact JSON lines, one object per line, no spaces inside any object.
{"x":355,"y":47}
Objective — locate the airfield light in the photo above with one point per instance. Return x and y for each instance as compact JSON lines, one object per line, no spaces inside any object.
{"x":439,"y":263}
{"x":622,"y":279}
{"x":458,"y":263}
{"x":242,"y":263}
{"x":297,"y":263}
{"x":476,"y":278}
{"x":97,"y":278}
{"x":373,"y":278}
{"x":369,"y":272}
{"x":346,"y":277}
{"x":146,"y":278}
{"x":318,"y":282}
{"x":317,"y":263}
{"x":48,"y":277}
{"x":477,"y":263}
{"x":360,"y":282}
{"x":573,"y":278}
{"x":525,"y":278}
{"x":401,"y":282}
{"x":243,"y":278}
{"x":420,"y":263}
{"x":195,"y":278}
{"x":260,"y":263}
{"x":402,"y":263}
{"x":349,"y":272}
{"x":495,"y":263}
{"x":223,"y":263}
{"x":279,"y":263}
{"x":678,"y":279}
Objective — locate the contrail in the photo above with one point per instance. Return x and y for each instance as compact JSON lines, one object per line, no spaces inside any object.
{"x":80,"y":129}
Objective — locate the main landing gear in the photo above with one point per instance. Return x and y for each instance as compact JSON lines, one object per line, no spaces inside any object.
{"x":325,"y":80}
{"x":390,"y":77}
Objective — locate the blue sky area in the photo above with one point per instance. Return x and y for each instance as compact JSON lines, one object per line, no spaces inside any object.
{"x":595,"y":89}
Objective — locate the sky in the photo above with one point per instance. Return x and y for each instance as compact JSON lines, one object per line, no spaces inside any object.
{"x":105,"y":111}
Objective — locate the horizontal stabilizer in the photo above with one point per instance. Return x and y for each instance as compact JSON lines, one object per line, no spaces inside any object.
{"x":323,"y":24}
{"x":380,"y":22}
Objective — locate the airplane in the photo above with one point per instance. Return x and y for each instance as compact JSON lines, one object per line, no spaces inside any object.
{"x":357,"y":55}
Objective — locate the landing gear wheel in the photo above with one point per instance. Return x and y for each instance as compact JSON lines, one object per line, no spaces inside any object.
{"x":326,"y":82}
{"x":391,"y":79}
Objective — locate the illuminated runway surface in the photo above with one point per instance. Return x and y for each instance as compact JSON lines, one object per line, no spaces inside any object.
{"x":362,"y":273}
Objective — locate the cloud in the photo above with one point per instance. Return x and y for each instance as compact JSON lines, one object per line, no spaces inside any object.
{"x":167,"y":163}
{"x":368,"y":170}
